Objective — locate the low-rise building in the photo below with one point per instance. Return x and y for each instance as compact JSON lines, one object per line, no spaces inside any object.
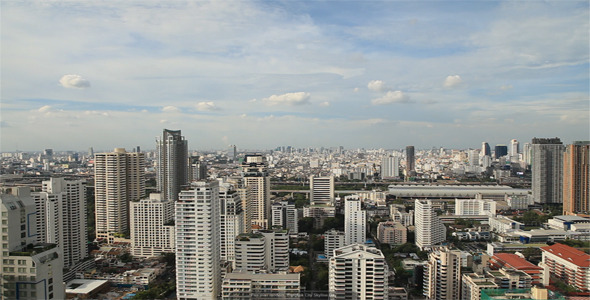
{"x":393,"y":233}
{"x":247,"y":285}
{"x":568,"y":264}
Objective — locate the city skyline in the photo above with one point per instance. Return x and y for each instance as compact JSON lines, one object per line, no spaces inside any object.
{"x":306,"y":74}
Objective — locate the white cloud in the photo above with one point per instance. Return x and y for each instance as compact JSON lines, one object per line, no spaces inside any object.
{"x":325,"y":104}
{"x":73,"y":81}
{"x":206,"y":106}
{"x":376,"y":86}
{"x":170,"y":108}
{"x":392,"y":97}
{"x":44,"y":108}
{"x":355,"y":90}
{"x":452,"y":81}
{"x":299,"y":98}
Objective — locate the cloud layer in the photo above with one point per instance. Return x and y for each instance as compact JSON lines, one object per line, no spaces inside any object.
{"x":74,"y":82}
{"x":299,"y":98}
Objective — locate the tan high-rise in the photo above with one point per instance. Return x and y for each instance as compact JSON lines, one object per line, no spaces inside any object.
{"x":576,"y":179}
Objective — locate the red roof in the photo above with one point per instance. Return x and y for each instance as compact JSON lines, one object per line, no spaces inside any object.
{"x":568,"y":253}
{"x":515,"y":261}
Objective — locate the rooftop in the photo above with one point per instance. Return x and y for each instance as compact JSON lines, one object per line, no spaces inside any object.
{"x":571,"y":254}
{"x":515,"y":261}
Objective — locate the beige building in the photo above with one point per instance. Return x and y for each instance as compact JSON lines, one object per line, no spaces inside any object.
{"x":152,"y":226}
{"x":393,"y":233}
{"x":249,"y":285}
{"x":442,"y":275}
{"x":255,"y":174}
{"x":576,"y":179}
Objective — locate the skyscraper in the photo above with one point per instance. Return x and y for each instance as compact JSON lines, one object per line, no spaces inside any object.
{"x":173,"y":174}
{"x":514,"y":148}
{"x":322,"y":190}
{"x":576,"y":178}
{"x":355,"y":221}
{"x":231,"y":218}
{"x":198,"y":270}
{"x":61,"y":218}
{"x":500,"y":150}
{"x":410,"y":160}
{"x":429,"y":228}
{"x":389,"y":167}
{"x":547,"y":167}
{"x":119,"y":177}
{"x":358,"y":272}
{"x":254,"y":171}
{"x":442,"y":275}
{"x":485,"y":149}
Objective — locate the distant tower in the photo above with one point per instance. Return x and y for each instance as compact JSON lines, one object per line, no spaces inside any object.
{"x":527,"y":153}
{"x":172,"y":164}
{"x":255,"y":174}
{"x":485,"y":149}
{"x":547,"y":167}
{"x":576,"y":178}
{"x":500,"y":150}
{"x":198,"y":169}
{"x":390,"y":167}
{"x":355,"y":221}
{"x":514,"y":148}
{"x":119,"y":177}
{"x":410,"y":159}
{"x":322,"y":190}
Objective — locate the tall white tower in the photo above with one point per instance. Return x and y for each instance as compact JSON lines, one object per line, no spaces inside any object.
{"x":322,"y":190}
{"x":355,"y":221}
{"x":390,"y":167}
{"x":514,"y":148}
{"x":198,"y":270}
{"x":429,"y":228}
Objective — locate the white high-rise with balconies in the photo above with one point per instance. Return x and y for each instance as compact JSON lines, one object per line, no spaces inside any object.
{"x":322,"y":190}
{"x":61,"y":218}
{"x":429,"y":228}
{"x":355,"y":221}
{"x":152,"y":226}
{"x":119,"y":177}
{"x":198,"y":269}
{"x":390,"y":167}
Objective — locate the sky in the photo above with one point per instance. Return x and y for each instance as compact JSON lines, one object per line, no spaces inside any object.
{"x":262,"y":74}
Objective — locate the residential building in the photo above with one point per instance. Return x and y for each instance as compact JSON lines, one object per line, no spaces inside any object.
{"x":232,"y":220}
{"x":576,"y":179}
{"x":507,"y":278}
{"x":472,"y":284}
{"x":390,"y":167}
{"x":429,"y":229}
{"x":475,"y":207}
{"x":319,"y":213}
{"x":322,"y":190}
{"x":284,"y":215}
{"x":547,"y":170}
{"x":198,"y":270}
{"x":568,"y":264}
{"x":172,"y":168}
{"x":358,"y":272}
{"x":513,"y":261}
{"x":399,"y":214}
{"x":248,"y":285}
{"x":119,"y":177}
{"x":485,"y":149}
{"x":534,"y":293}
{"x":262,"y":250}
{"x":333,"y":239}
{"x":30,"y":270}
{"x":442,"y":275}
{"x":255,"y":175}
{"x":393,"y":233}
{"x":355,"y":221}
{"x":61,"y":218}
{"x":152,"y":226}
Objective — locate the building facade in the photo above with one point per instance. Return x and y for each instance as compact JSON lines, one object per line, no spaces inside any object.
{"x":429,"y":229}
{"x":322,"y":190}
{"x":576,"y":179}
{"x":232,"y":220}
{"x":393,"y":233}
{"x":172,"y":168}
{"x":255,"y":174}
{"x":355,"y":221}
{"x":568,"y":264}
{"x":442,"y":275}
{"x":152,"y":226}
{"x":547,"y":170}
{"x":390,"y":167}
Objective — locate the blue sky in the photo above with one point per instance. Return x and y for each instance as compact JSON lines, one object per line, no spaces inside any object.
{"x":372,"y":74}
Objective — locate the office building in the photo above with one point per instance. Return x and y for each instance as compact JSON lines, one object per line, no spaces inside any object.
{"x":547,"y":169}
{"x":390,"y":167}
{"x":500,"y":150}
{"x":61,"y":218}
{"x":568,"y":264}
{"x":172,"y":168}
{"x":442,"y":275}
{"x":333,"y":239}
{"x":119,"y":177}
{"x":355,"y":221}
{"x":197,"y":169}
{"x":322,"y":190}
{"x":358,"y":272}
{"x":576,"y":179}
{"x":247,"y":285}
{"x":429,"y":229}
{"x":485,"y":149}
{"x":393,"y":233}
{"x":152,"y":226}
{"x":255,"y":175}
{"x":514,"y":149}
{"x":198,"y":268}
{"x":475,"y":207}
{"x":30,"y":270}
{"x":410,"y":160}
{"x":284,"y":215}
{"x":232,"y":220}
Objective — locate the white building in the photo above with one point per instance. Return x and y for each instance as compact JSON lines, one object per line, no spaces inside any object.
{"x":503,"y":224}
{"x":119,"y":177}
{"x":358,"y":272}
{"x":475,"y":207}
{"x":355,"y":221}
{"x":248,"y":285}
{"x":397,"y":215}
{"x":61,"y":218}
{"x":266,"y":250}
{"x":198,"y":272}
{"x":429,"y":229}
{"x":285,"y":216}
{"x":442,"y":275}
{"x":152,"y":226}
{"x":232,"y":220}
{"x":322,"y":190}
{"x":472,"y":284}
{"x":30,"y":270}
{"x":390,"y":167}
{"x":333,"y":239}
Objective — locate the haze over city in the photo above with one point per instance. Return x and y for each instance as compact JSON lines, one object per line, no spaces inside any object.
{"x":262,"y":74}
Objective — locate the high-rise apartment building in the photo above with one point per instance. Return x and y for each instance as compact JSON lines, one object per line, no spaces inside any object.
{"x":172,"y":168}
{"x":254,"y":171}
{"x":284,"y":215}
{"x":61,"y":218}
{"x":410,"y":160}
{"x":429,"y":230}
{"x":198,"y":169}
{"x":333,"y":239}
{"x":231,"y":218}
{"x":119,"y":177}
{"x":265,"y":250}
{"x":322,"y":190}
{"x":527,"y":154}
{"x":442,"y":275}
{"x":355,"y":221}
{"x":390,"y":167}
{"x":393,"y":233}
{"x":30,"y":270}
{"x":547,"y":169}
{"x":152,"y":226}
{"x":198,"y":269}
{"x":576,"y":179}
{"x":514,"y":148}
{"x":358,"y":272}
